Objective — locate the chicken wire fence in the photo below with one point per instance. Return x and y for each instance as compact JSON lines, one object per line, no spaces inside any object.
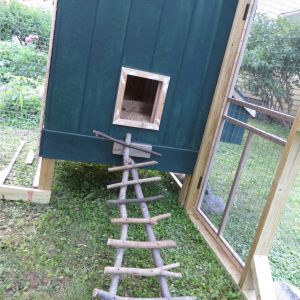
{"x":244,"y":163}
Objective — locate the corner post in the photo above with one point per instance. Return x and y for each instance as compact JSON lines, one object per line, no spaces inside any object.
{"x":46,"y":174}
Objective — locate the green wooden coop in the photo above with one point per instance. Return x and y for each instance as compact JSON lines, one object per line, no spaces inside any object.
{"x":145,"y":67}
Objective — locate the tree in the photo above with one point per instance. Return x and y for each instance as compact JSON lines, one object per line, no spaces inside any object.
{"x":271,"y":65}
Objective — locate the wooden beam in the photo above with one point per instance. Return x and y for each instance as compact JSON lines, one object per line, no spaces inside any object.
{"x":273,"y":113}
{"x":229,"y":66}
{"x":153,"y":220}
{"x":277,"y":199}
{"x":36,"y":179}
{"x":133,"y":182}
{"x":263,"y":282}
{"x":15,"y":193}
{"x":133,"y":166}
{"x":141,"y":245}
{"x":184,"y":189}
{"x":265,"y":135}
{"x":46,"y":174}
{"x":176,"y":180}
{"x":5,"y":172}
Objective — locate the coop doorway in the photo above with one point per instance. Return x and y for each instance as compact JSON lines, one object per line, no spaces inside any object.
{"x":141,"y":98}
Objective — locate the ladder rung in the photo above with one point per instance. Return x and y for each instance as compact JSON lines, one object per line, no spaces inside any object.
{"x":137,"y":200}
{"x":108,"y":296}
{"x":133,"y":182}
{"x":141,"y":245}
{"x":153,"y":220}
{"x":161,"y":271}
{"x":133,"y":166}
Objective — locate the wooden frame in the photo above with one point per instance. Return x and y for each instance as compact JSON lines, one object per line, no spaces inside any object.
{"x":158,"y":103}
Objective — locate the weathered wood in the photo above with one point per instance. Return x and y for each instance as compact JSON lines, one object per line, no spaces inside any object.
{"x":133,"y":182}
{"x":162,"y":271}
{"x":108,"y":296}
{"x":5,"y":172}
{"x":36,"y":178}
{"x":268,"y":136}
{"x":134,"y":166}
{"x":262,"y":277}
{"x":235,"y":183}
{"x":141,"y":245}
{"x":103,"y":135}
{"x":123,"y":211}
{"x":267,"y":111}
{"x":46,"y":174}
{"x":16,"y":193}
{"x":153,"y":220}
{"x":135,"y":201}
{"x":275,"y":204}
{"x":30,"y":157}
{"x":118,"y":150}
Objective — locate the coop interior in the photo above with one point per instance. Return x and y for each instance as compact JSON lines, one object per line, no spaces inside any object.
{"x":230,"y":198}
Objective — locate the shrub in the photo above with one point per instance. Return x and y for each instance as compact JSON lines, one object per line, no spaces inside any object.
{"x":17,"y":60}
{"x":24,"y":21}
{"x":20,"y":103}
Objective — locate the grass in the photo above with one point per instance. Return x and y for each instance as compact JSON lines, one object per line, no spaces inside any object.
{"x":250,"y":199}
{"x":59,"y":251}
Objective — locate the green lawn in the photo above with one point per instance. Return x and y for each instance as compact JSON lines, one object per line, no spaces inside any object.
{"x":59,"y":251}
{"x":250,"y":199}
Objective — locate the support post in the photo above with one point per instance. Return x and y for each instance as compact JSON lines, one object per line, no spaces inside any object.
{"x":184,"y":190}
{"x":277,"y":199}
{"x":46,"y":174}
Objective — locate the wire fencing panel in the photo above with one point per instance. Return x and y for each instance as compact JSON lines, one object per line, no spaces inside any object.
{"x":245,"y":162}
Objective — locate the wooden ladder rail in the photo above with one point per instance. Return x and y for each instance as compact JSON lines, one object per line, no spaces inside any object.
{"x":152,"y":244}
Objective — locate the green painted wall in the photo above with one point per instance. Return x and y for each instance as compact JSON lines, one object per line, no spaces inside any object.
{"x":183,"y":39}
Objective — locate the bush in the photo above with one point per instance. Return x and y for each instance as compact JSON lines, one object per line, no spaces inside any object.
{"x":20,"y":60}
{"x":20,"y":103}
{"x":24,"y":21}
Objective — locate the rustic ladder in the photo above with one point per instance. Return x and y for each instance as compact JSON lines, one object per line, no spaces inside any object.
{"x":161,"y":271}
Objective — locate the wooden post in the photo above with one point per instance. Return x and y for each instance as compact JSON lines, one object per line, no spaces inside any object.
{"x":46,"y":175}
{"x":184,"y":189}
{"x":277,"y":199}
{"x":229,"y":66}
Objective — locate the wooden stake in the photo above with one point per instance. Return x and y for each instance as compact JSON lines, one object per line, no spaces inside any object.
{"x":133,"y":166}
{"x":133,"y":182}
{"x":141,"y":245}
{"x":153,"y":220}
{"x":5,"y":172}
{"x":135,"y":201}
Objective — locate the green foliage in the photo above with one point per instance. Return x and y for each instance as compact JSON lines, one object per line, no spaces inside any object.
{"x":24,"y":21}
{"x":271,"y":65}
{"x":20,"y":60}
{"x":20,"y":103}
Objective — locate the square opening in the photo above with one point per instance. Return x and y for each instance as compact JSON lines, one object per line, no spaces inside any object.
{"x":140,"y":99}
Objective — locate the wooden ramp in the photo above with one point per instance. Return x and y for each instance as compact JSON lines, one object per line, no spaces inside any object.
{"x":161,"y":271}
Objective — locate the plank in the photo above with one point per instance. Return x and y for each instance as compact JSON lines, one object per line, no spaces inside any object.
{"x":36,"y":178}
{"x":153,"y":220}
{"x":46,"y":174}
{"x":133,"y":166}
{"x":162,"y":271}
{"x":108,"y":296}
{"x":133,"y":182}
{"x":263,"y":281}
{"x":141,"y":245}
{"x":135,"y":201}
{"x":5,"y":172}
{"x":15,"y":193}
{"x":118,"y":150}
{"x":30,"y":157}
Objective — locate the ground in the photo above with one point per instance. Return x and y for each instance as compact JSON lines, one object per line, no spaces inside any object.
{"x":59,"y":251}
